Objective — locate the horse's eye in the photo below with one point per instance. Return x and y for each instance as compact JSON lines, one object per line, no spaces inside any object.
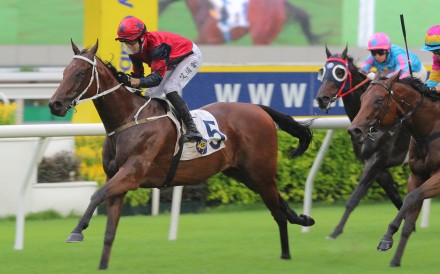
{"x":80,"y":74}
{"x":379,"y":101}
{"x":339,"y":73}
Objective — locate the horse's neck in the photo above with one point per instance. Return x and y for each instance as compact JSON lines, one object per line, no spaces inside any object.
{"x":117,"y":108}
{"x":423,"y":122}
{"x":352,"y":101}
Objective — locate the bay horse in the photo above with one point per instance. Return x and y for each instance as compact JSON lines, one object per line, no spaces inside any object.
{"x":140,"y":154}
{"x":343,"y":79}
{"x":386,"y":104}
{"x":266,"y":21}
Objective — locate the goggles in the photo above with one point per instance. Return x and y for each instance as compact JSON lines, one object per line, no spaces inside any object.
{"x":378,"y":52}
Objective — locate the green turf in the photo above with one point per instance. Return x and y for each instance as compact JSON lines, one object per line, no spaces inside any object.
{"x":222,"y":242}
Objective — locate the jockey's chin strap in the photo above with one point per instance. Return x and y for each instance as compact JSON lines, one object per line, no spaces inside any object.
{"x":78,"y":99}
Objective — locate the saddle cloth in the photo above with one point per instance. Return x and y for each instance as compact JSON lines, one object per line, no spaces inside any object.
{"x":213,"y":140}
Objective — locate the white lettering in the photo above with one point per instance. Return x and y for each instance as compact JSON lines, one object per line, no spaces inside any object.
{"x":227,"y":92}
{"x":260,"y":93}
{"x":293,"y":95}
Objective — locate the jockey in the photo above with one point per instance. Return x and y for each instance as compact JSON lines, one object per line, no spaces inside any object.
{"x":174,"y":60}
{"x":432,"y":44}
{"x":390,"y":59}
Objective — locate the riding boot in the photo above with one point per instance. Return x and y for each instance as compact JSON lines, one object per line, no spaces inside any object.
{"x":192,"y":133}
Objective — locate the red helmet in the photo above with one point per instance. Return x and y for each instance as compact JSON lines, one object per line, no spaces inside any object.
{"x":130,"y":29}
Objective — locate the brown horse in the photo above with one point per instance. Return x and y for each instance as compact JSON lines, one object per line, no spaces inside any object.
{"x":140,"y":154}
{"x":266,"y":20}
{"x":342,"y":79}
{"x":389,"y":103}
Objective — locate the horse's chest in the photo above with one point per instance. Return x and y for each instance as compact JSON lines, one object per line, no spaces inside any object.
{"x":424,"y":160}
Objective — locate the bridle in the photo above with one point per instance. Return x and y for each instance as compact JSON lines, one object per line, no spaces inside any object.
{"x":347,"y":81}
{"x":78,"y":99}
{"x":400,"y":121}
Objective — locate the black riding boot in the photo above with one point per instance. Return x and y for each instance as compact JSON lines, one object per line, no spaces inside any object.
{"x":192,"y":134}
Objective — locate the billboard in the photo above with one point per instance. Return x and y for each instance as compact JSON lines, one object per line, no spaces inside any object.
{"x":292,"y":92}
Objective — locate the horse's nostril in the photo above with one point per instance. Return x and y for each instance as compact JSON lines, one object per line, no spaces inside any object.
{"x":355,"y":132}
{"x":56,"y":107}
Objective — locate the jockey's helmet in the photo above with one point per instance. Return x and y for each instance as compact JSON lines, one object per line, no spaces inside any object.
{"x":130,"y":28}
{"x":379,"y":40}
{"x":432,"y":39}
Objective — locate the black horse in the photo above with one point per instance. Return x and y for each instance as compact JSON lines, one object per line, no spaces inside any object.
{"x":341,"y":78}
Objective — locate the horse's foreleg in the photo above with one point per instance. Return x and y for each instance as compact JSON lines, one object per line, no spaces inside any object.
{"x":365,"y":181}
{"x":387,"y":241}
{"x":387,"y":182}
{"x":97,"y":198}
{"x":117,"y":185}
{"x":408,"y":227}
{"x":114,"y":210}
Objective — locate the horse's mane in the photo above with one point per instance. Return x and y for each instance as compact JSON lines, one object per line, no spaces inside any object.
{"x":112,"y":68}
{"x":418,"y":85}
{"x":354,"y":68}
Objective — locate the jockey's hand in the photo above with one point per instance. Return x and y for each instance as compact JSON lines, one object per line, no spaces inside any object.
{"x":371,"y":75}
{"x":123,"y":78}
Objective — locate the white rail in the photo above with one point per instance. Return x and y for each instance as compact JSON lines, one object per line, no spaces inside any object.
{"x":55,"y":130}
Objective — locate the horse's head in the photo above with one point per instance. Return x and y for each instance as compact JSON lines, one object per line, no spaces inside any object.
{"x":338,"y":76}
{"x":385,"y":104}
{"x":80,"y":80}
{"x":333,"y":77}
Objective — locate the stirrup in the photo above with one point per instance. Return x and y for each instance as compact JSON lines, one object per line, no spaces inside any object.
{"x":192,"y":137}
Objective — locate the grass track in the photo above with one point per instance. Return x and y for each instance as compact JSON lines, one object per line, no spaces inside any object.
{"x":222,"y":242}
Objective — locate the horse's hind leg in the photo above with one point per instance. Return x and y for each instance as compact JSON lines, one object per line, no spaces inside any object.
{"x":282,"y":213}
{"x":114,"y":210}
{"x":293,"y":217}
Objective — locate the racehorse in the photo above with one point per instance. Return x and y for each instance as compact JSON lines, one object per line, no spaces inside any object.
{"x":266,"y":20}
{"x":141,"y":141}
{"x":386,"y":104}
{"x":342,"y":79}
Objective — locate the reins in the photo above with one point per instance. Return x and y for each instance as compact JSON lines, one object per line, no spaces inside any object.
{"x":78,"y":99}
{"x":404,"y":117}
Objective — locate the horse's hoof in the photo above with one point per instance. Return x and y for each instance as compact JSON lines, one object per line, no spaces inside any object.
{"x":394,"y":264}
{"x":306,"y":220}
{"x":285,"y":256}
{"x":75,"y":238}
{"x":330,"y":237}
{"x":385,"y":245}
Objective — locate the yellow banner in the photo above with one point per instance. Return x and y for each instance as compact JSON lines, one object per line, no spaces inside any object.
{"x":101,"y":20}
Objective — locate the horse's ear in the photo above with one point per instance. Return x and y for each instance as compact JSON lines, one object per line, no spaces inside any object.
{"x":395,"y":77}
{"x":74,"y":47}
{"x":94,"y":49}
{"x":327,"y":51}
{"x":344,"y":53}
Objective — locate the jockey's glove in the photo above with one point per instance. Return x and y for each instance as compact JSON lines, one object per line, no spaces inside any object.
{"x":123,"y":78}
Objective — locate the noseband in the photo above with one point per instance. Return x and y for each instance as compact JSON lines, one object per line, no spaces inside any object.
{"x":404,"y":117}
{"x":78,"y":99}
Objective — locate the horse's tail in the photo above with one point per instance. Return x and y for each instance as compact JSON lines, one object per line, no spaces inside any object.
{"x":299,"y":130}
